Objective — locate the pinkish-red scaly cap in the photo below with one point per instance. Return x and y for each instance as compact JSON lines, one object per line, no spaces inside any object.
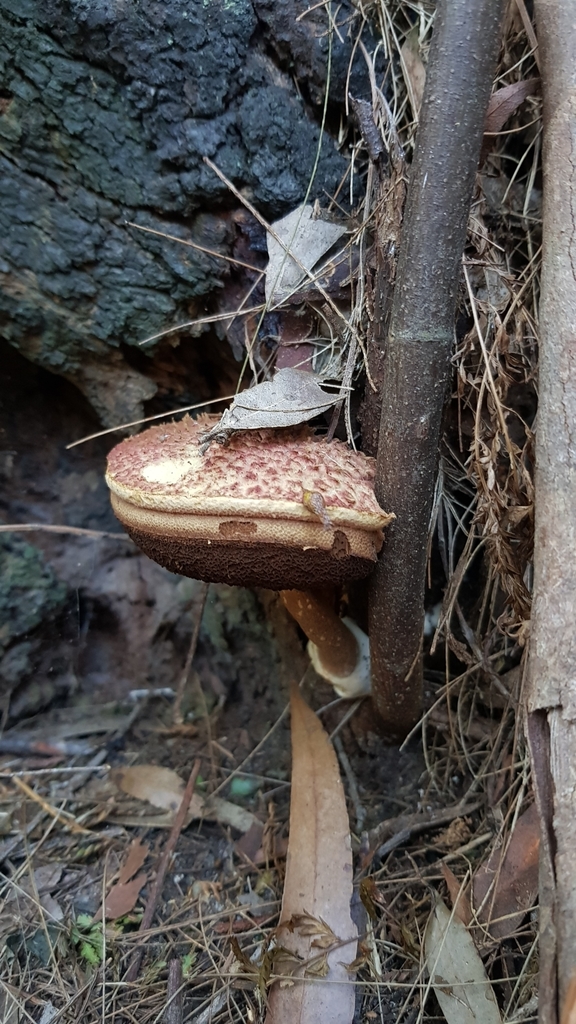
{"x":273,"y":508}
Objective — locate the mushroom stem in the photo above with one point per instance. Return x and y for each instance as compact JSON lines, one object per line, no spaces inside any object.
{"x":337,"y":645}
{"x":338,"y":648}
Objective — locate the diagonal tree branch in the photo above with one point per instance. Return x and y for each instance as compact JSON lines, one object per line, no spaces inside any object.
{"x":419,"y":341}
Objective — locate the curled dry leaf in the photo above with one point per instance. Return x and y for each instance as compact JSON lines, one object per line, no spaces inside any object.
{"x":316,"y":932}
{"x":456,"y":971}
{"x":309,"y":238}
{"x":294,"y":396}
{"x":370,"y":133}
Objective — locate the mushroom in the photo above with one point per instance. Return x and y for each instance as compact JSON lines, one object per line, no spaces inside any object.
{"x":281,"y":509}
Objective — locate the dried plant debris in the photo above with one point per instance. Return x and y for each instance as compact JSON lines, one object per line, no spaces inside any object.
{"x":456,"y":971}
{"x":292,"y":397}
{"x":296,"y":244}
{"x":122,"y":896}
{"x":506,"y":886}
{"x":164,"y":789}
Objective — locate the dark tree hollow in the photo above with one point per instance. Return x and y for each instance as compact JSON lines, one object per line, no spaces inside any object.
{"x":418,"y":344}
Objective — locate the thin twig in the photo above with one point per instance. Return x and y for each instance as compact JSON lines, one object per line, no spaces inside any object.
{"x":359,"y":809}
{"x":173,"y":1010}
{"x":148,"y":419}
{"x":201,"y":604}
{"x":76,"y":531}
{"x":132,"y":972}
{"x":59,"y":814}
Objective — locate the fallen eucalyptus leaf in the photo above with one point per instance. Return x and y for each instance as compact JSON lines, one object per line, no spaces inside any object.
{"x":456,"y":971}
{"x":308,"y":238}
{"x":293,"y":397}
{"x":316,"y":934}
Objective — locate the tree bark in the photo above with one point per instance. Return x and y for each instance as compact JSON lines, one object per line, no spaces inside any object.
{"x":419,"y":342}
{"x":106,"y":111}
{"x":552,"y":665}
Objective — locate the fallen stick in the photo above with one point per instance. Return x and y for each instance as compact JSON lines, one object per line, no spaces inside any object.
{"x":173,"y":1009}
{"x":150,"y":910}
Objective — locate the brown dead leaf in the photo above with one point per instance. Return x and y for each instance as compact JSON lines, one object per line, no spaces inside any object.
{"x":309,"y":238}
{"x":569,"y":1008}
{"x":163,"y":788}
{"x":415,"y":70}
{"x":123,"y":895}
{"x":251,"y":842}
{"x":506,"y":887}
{"x":460,"y":901}
{"x":505,"y":101}
{"x":122,"y":898}
{"x":159,"y":786}
{"x":137,"y":853}
{"x":318,"y":885}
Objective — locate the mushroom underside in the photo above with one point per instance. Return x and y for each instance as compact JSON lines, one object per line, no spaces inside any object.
{"x":248,"y":552}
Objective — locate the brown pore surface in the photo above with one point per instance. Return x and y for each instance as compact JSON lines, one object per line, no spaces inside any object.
{"x":337,"y":646}
{"x":247,"y":564}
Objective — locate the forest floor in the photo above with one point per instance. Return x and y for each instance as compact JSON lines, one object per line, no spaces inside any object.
{"x":95,"y":756}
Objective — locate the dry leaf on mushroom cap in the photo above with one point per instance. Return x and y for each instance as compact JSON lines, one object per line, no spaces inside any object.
{"x":309,"y":238}
{"x":292,"y":397}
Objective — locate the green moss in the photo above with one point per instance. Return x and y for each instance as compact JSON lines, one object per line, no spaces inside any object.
{"x":29,"y":590}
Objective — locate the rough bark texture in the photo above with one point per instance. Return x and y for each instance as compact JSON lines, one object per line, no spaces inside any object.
{"x":106,"y":111}
{"x":418,"y":345}
{"x":552,"y":679}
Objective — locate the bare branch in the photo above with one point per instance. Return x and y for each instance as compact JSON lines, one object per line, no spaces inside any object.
{"x":417,"y":349}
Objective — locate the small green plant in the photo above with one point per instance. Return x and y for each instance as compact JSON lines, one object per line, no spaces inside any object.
{"x":87,"y":936}
{"x":188,"y":962}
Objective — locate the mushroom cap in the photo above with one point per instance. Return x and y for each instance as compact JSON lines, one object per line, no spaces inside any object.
{"x":273,"y":508}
